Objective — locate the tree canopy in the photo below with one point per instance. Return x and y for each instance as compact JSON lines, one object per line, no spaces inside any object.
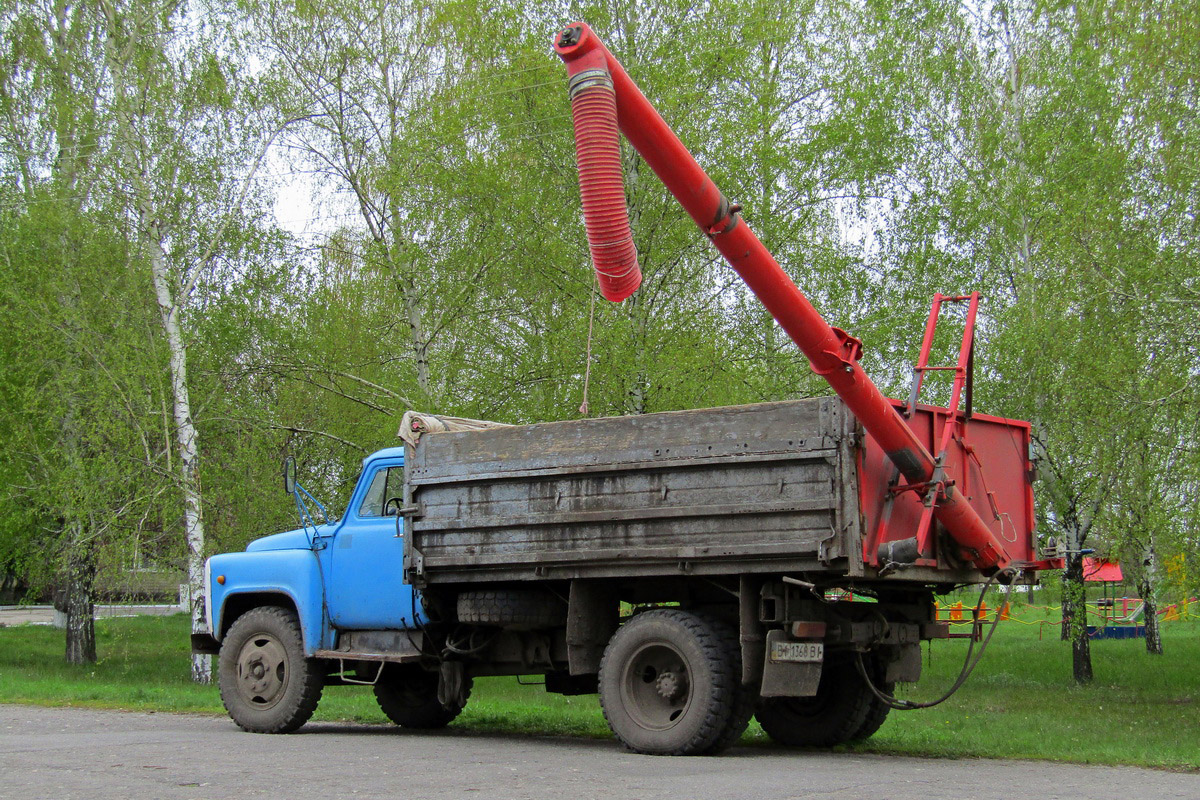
{"x":167,"y":339}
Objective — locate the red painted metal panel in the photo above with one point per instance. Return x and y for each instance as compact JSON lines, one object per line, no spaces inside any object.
{"x":1002,"y":448}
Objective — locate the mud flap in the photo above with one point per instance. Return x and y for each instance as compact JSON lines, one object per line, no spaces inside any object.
{"x":784,"y":678}
{"x":451,"y":685}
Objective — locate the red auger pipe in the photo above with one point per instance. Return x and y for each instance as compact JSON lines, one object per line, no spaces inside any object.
{"x":832,"y":352}
{"x":594,"y":109}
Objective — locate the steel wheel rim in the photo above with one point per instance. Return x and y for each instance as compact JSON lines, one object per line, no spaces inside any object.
{"x":656,"y":688}
{"x":262,"y":673}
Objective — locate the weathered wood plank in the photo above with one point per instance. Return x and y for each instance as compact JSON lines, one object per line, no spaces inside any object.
{"x":482,"y":522}
{"x":701,"y":433}
{"x":829,"y":450}
{"x":725,"y":488}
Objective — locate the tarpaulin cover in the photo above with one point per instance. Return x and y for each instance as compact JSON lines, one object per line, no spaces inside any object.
{"x":415,"y":424}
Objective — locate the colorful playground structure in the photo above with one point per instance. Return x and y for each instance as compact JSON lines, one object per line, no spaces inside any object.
{"x":1115,"y":617}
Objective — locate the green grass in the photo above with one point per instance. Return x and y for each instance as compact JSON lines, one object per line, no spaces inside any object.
{"x":1020,"y":703}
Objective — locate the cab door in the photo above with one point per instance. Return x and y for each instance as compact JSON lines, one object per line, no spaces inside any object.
{"x":366,"y":589}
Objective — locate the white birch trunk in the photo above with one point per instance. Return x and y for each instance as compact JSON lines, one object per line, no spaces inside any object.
{"x":119,"y":60}
{"x":186,"y":441}
{"x":416,"y":324}
{"x":1147,"y":581}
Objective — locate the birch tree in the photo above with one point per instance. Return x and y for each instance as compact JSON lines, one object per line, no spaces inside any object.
{"x":186,"y":150}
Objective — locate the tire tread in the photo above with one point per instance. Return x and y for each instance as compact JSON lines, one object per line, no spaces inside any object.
{"x":716,"y":716}
{"x":295,"y":710}
{"x":744,"y":696}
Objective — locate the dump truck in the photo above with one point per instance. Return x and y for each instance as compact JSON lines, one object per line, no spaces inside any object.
{"x":694,"y":568}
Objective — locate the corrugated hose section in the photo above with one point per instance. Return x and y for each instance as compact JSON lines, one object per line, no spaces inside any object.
{"x":594,"y":110}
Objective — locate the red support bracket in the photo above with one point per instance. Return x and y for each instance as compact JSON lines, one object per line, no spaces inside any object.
{"x":920,"y":488}
{"x":843,"y":358}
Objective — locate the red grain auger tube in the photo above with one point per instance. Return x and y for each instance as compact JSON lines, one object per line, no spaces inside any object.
{"x":833,"y":353}
{"x":594,"y":110}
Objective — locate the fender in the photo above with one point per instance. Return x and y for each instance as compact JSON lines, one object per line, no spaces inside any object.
{"x":294,"y":574}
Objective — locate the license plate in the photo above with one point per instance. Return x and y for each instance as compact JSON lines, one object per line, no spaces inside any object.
{"x":803,"y":652}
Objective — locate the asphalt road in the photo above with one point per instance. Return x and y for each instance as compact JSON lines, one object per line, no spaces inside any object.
{"x":60,"y":754}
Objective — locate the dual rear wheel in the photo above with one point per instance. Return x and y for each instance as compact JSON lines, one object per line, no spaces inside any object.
{"x":843,"y":710}
{"x":670,"y":684}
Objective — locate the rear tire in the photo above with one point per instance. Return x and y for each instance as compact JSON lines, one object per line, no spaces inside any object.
{"x":878,"y":711}
{"x":668,"y":684}
{"x":407,"y":694}
{"x":744,"y":696}
{"x":267,"y":685}
{"x":838,"y":713}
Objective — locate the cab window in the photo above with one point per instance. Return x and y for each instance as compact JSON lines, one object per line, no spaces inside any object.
{"x":386,"y":483}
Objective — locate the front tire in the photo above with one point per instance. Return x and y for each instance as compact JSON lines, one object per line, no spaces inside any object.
{"x":668,"y":684}
{"x":267,"y":685}
{"x":408,"y":696}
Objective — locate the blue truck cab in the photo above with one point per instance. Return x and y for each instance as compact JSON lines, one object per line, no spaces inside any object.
{"x":320,"y":605}
{"x":338,"y":576}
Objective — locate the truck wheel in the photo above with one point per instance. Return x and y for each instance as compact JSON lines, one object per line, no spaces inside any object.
{"x":878,"y":710}
{"x":834,"y":715}
{"x":512,"y":608}
{"x":668,"y":684}
{"x":267,"y":685}
{"x":743,"y":696}
{"x":408,"y":696}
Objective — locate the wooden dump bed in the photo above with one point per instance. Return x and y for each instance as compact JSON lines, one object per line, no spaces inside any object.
{"x":770,"y":487}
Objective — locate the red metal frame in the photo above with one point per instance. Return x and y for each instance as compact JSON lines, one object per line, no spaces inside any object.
{"x":832,"y":352}
{"x":962,"y":377}
{"x":954,"y":430}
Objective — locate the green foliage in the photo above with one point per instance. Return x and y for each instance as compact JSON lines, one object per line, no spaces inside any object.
{"x":81,"y":398}
{"x":1043,"y":154}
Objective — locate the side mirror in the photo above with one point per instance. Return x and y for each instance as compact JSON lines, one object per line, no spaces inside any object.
{"x":289,"y":475}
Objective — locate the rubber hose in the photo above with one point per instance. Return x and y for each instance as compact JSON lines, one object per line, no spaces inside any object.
{"x":594,"y":110}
